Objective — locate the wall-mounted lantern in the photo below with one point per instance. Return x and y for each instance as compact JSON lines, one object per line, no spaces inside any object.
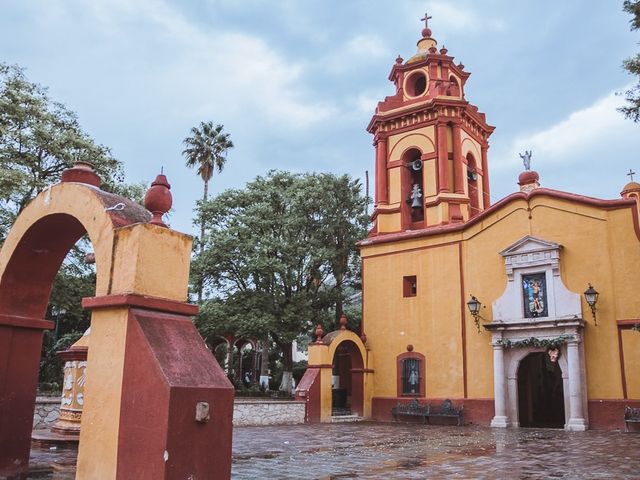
{"x":591,"y":296}
{"x":474,"y":307}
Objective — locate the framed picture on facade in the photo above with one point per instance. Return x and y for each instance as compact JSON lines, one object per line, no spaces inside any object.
{"x":534,"y":295}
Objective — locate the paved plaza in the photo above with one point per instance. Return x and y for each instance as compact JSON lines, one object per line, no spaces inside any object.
{"x":401,"y":451}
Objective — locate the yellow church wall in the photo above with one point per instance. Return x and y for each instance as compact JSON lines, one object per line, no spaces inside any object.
{"x":631,"y":346}
{"x":599,"y":246}
{"x":395,"y":321}
{"x":586,"y":257}
{"x":486,"y":279}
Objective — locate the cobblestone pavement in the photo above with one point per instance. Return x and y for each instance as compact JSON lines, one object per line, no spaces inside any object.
{"x":401,"y":451}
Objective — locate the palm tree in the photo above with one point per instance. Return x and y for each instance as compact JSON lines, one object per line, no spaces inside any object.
{"x":206,"y":148}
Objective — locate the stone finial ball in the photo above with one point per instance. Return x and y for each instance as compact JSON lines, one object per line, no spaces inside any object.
{"x":426,"y":33}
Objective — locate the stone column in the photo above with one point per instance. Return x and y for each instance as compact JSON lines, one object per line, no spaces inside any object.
{"x":576,"y":422}
{"x":382,"y":188}
{"x":499,"y":391}
{"x":458,"y":169}
{"x":443,"y":158}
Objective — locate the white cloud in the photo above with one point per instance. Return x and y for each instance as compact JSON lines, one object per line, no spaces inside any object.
{"x":241,"y":71}
{"x":454,"y":17}
{"x":593,"y":128}
{"x":367,"y":45}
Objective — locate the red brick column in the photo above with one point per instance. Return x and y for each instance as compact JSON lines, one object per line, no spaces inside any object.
{"x":443,"y":158}
{"x":382,"y":187}
{"x":486,"y":197}
{"x":457,"y":160}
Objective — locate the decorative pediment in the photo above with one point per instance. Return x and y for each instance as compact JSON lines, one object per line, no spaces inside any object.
{"x":534,"y":293}
{"x":531,"y":251}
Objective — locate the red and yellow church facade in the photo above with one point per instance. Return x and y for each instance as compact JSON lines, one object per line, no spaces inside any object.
{"x":483,"y":304}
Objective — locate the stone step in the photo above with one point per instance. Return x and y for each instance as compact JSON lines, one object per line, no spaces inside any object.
{"x":346,"y":418}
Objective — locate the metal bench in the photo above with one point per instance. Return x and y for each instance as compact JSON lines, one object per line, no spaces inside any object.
{"x":411,"y":409}
{"x":631,"y":415}
{"x":415,"y":409}
{"x":448,"y":410}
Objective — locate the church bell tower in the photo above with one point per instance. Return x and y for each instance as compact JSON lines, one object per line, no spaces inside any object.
{"x":431,"y":145}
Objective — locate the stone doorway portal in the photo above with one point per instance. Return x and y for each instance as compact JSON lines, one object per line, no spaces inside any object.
{"x":540,"y":392}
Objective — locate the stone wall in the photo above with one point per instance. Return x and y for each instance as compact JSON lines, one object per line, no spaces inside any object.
{"x":267,"y":412}
{"x":46,"y":412}
{"x":245,"y":412}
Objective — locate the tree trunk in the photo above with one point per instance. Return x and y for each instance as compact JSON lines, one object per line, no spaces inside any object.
{"x":264,"y":365}
{"x":204,"y":199}
{"x":286,"y":385}
{"x":339,"y":298}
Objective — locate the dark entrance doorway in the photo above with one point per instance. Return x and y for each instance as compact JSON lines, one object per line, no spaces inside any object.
{"x":347,"y":380}
{"x":540,"y":392}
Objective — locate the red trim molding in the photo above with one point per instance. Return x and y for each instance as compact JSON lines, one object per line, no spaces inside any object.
{"x":624,"y":324}
{"x":437,"y":230}
{"x":623,"y":376}
{"x":25,"y":322}
{"x":463,"y":325}
{"x":140,"y":301}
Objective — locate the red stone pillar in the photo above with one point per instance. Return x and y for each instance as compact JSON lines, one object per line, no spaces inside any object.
{"x":382,"y":187}
{"x":443,"y":159}
{"x":457,"y":160}
{"x":176,"y":403}
{"x":486,"y":197}
{"x":20,"y":347}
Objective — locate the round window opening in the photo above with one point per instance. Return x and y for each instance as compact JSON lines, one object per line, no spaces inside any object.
{"x":416,"y":84}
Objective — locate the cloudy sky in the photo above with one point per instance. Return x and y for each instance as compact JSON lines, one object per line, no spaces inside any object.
{"x":295,"y":82}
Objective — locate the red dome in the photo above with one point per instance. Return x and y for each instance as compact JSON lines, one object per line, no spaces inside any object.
{"x":527,"y":177}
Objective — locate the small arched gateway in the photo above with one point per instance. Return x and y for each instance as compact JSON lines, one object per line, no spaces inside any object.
{"x":150,"y":377}
{"x":338,"y":379}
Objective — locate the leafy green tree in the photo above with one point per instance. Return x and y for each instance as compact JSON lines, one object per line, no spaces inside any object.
{"x":632,"y":65}
{"x":39,"y":139}
{"x":206,"y":149}
{"x":277,"y":255}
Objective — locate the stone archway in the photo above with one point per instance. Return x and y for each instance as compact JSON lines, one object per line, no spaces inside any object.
{"x":316,"y":385}
{"x":347,"y":380}
{"x":140,"y":382}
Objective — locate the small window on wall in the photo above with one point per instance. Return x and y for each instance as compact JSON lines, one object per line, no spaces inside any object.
{"x":411,"y":373}
{"x":409,"y":286}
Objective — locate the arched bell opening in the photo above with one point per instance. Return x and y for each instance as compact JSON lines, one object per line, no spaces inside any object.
{"x":347,"y":385}
{"x":413,"y":189}
{"x":472,"y":181}
{"x":540,"y":392}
